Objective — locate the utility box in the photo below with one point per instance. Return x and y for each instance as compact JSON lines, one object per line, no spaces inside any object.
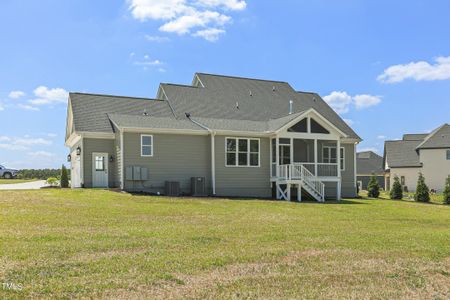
{"x":129,"y":173}
{"x":136,"y":173}
{"x":198,"y":186}
{"x":172,"y":188}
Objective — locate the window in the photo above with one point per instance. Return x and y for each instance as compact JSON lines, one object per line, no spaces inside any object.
{"x":448,"y":154}
{"x":300,"y":126}
{"x":99,"y":163}
{"x":242,"y":152}
{"x":329,"y":156}
{"x":317,"y":128}
{"x":402,"y":180}
{"x":146,"y":145}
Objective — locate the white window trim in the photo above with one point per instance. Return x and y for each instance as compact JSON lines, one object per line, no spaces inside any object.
{"x":151,"y":146}
{"x":248,"y":152}
{"x":342,"y":156}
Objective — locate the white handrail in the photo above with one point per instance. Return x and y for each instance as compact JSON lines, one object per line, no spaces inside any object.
{"x":298,"y":171}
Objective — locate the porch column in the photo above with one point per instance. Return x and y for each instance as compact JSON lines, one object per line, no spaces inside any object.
{"x":299,"y":192}
{"x":277,"y":156}
{"x":315,"y":157}
{"x":338,"y":154}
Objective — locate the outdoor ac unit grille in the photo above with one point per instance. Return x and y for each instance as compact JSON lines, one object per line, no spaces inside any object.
{"x":198,"y":186}
{"x":172,"y":188}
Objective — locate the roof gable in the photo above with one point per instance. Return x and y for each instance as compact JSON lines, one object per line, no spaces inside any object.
{"x":439,"y":138}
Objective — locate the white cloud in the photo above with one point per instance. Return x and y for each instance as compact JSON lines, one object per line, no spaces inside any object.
{"x":341,"y":101}
{"x":418,"y":71}
{"x":28,"y":141}
{"x":364,"y":101}
{"x":52,"y":135}
{"x":228,"y":4}
{"x":157,"y":38}
{"x":1,"y":107}
{"x":46,"y":95}
{"x":28,"y":107}
{"x":148,"y":63}
{"x":16,"y":94}
{"x":22,"y":143}
{"x":41,"y":154}
{"x":12,"y":147}
{"x":210,"y":34}
{"x":184,"y":16}
{"x":162,"y":70}
{"x":381,"y":137}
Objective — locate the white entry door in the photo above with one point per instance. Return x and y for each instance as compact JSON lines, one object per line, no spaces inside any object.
{"x":100,"y":170}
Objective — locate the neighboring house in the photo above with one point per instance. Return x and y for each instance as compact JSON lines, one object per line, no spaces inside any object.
{"x":427,"y":153}
{"x":369,"y":163}
{"x":241,"y":137}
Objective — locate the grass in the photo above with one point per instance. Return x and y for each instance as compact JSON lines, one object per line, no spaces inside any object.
{"x":102,"y":244}
{"x":434,"y":198}
{"x":12,"y":181}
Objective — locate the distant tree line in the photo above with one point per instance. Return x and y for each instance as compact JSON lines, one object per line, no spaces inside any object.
{"x":39,"y":173}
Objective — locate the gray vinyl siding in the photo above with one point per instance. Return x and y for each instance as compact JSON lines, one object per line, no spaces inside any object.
{"x":243,"y":181}
{"x":98,"y":145}
{"x":175,"y":158}
{"x":348,"y":188}
{"x":365,"y":181}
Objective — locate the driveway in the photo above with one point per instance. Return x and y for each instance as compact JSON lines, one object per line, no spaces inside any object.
{"x":34,"y":185}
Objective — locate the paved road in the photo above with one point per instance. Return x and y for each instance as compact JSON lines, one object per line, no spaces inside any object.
{"x":34,"y":185}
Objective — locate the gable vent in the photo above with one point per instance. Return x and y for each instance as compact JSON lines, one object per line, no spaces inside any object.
{"x":237,"y":105}
{"x":250,"y":92}
{"x":290,"y":106}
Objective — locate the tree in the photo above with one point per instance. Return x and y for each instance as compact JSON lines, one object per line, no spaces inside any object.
{"x":64,"y":177}
{"x":422,"y":191}
{"x":396,"y":191}
{"x":447,"y":191}
{"x":373,"y":188}
{"x":52,"y":181}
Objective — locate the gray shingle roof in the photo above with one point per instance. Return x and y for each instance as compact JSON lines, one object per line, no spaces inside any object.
{"x":133,"y":121}
{"x":90,"y":111}
{"x":439,"y":138}
{"x":369,"y":162}
{"x":415,"y":136}
{"x":402,"y":154}
{"x":225,"y":103}
{"x":258,"y":100}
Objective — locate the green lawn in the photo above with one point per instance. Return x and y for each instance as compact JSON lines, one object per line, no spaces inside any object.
{"x":12,"y":181}
{"x":102,"y":244}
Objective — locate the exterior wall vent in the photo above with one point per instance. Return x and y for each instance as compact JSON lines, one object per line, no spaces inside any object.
{"x":237,"y":105}
{"x":290,"y":106}
{"x":251,"y":94}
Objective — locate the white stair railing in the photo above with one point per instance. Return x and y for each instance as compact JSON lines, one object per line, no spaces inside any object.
{"x":299,"y":172}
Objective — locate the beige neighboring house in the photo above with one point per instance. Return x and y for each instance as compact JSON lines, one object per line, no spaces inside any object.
{"x":426,"y":153}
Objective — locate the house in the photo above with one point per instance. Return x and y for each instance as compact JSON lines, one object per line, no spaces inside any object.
{"x":428,"y":153}
{"x":239,"y":136}
{"x":369,"y":163}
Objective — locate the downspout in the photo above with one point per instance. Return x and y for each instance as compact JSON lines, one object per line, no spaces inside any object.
{"x":213,"y":155}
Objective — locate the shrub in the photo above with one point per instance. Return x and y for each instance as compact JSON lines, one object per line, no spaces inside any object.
{"x":52,"y":181}
{"x":373,"y":188}
{"x":64,"y":177}
{"x":396,"y":191}
{"x":422,"y":191}
{"x":447,"y":191}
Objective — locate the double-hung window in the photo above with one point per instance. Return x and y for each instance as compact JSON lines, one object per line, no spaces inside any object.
{"x":242,"y":152}
{"x":329,"y":156}
{"x":146,"y":145}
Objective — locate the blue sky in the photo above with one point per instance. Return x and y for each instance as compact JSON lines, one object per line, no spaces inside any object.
{"x":384,"y":65}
